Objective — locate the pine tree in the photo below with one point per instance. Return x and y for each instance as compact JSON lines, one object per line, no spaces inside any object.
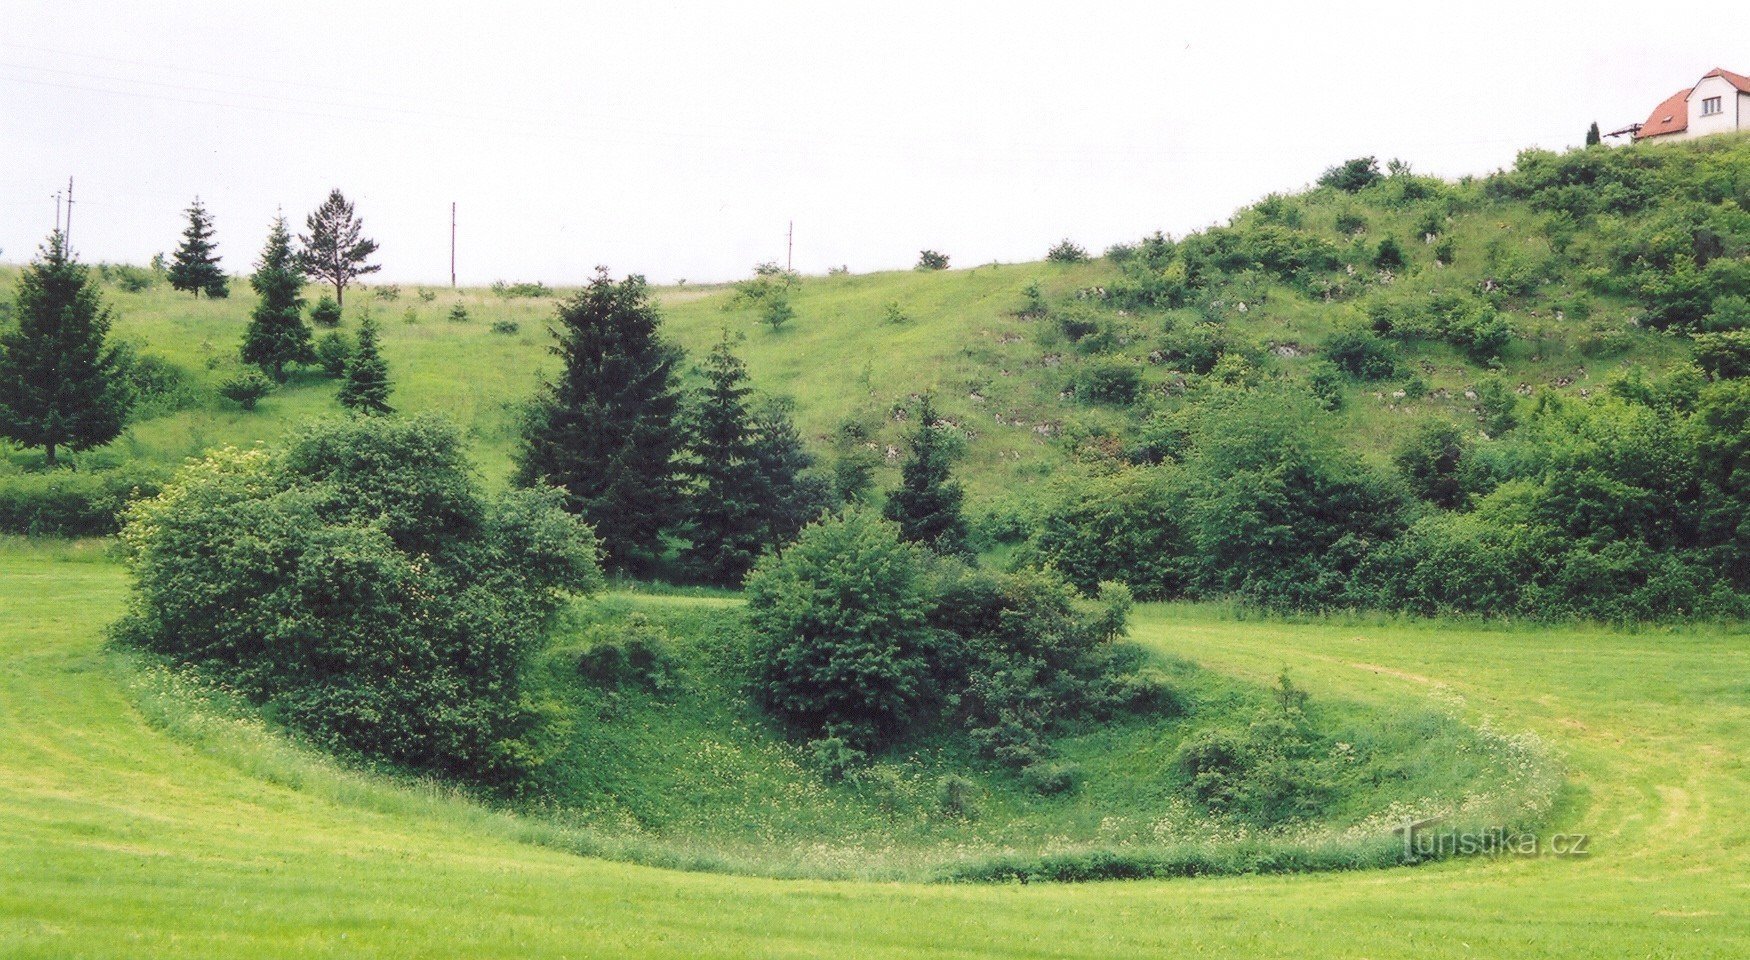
{"x":195,"y":267}
{"x":366,"y":387}
{"x":607,"y":428}
{"x":790,"y":495}
{"x":927,"y":503}
{"x":335,"y":249}
{"x":1592,"y":137}
{"x":277,"y":334}
{"x":723,"y":515}
{"x":61,"y":384}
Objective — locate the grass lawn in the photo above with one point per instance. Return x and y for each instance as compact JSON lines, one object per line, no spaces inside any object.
{"x":118,"y":839}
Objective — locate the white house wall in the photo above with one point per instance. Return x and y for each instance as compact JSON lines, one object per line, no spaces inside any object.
{"x":1734,"y":110}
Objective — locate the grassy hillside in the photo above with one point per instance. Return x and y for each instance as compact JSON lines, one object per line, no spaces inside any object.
{"x":1292,"y":272}
{"x":126,"y":837}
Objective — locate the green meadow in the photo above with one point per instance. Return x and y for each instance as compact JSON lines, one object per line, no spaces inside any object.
{"x":135,"y":827}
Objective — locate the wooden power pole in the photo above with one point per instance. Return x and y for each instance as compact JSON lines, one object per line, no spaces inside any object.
{"x":452,"y":244}
{"x":67,"y":235}
{"x":790,"y":247}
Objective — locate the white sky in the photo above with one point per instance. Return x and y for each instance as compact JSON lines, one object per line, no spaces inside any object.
{"x":677,"y":140}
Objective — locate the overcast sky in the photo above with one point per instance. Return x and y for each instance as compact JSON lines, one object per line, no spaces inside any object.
{"x":678,"y":140}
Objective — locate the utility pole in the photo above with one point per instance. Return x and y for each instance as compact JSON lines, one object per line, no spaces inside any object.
{"x":452,"y":244}
{"x":789,"y":247}
{"x":68,"y":235}
{"x":57,"y":211}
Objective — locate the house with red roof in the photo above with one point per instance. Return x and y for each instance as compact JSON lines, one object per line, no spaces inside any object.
{"x":1720,"y":103}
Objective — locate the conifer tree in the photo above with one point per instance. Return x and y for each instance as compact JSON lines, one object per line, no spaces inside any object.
{"x":927,"y":503}
{"x":1592,"y":137}
{"x":195,"y":268}
{"x":366,"y":387}
{"x":607,"y":429}
{"x":790,"y":495}
{"x":277,"y":334}
{"x":335,"y":249}
{"x":723,"y":515}
{"x":61,"y":383}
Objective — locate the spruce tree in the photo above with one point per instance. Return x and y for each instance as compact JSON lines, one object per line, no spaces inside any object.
{"x":366,"y":387}
{"x":927,"y":503}
{"x":607,"y":428}
{"x":61,"y":383}
{"x":1592,"y":137}
{"x":277,"y":334}
{"x":790,"y":495}
{"x":335,"y":249}
{"x":195,"y":268}
{"x":723,"y":515}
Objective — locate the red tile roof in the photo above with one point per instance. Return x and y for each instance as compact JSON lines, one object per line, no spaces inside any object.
{"x":1741,"y":82}
{"x":1672,"y":116}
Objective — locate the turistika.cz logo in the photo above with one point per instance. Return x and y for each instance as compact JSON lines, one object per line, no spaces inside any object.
{"x":1427,"y":840}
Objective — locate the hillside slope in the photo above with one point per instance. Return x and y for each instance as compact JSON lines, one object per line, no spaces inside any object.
{"x":1537,"y":275}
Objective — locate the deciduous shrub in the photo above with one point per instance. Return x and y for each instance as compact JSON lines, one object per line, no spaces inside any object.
{"x":932,"y":260}
{"x":1113,"y":380}
{"x":361,"y":586}
{"x":65,"y":503}
{"x":1066,"y":251}
{"x":634,"y":652}
{"x":1352,"y":176}
{"x":842,"y":641}
{"x":1273,"y":772}
{"x":1117,"y":526}
{"x":1360,"y":355}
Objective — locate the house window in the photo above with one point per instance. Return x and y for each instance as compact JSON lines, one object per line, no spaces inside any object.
{"x":1710,"y":106}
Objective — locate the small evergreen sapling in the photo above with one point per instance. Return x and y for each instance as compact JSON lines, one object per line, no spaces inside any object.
{"x":195,"y":268}
{"x":366,"y":388}
{"x":277,"y":335}
{"x":325,"y":312}
{"x":926,"y":506}
{"x":246,"y":388}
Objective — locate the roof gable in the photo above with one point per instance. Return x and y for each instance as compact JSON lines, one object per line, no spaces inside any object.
{"x":1736,"y":80}
{"x":1672,"y":116}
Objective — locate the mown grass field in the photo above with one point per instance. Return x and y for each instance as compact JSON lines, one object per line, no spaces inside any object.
{"x":121,"y":840}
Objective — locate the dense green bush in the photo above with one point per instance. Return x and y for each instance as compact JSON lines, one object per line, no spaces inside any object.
{"x":158,"y":385}
{"x":1352,"y":176}
{"x":1274,"y":510}
{"x":634,"y":652}
{"x":246,"y":388}
{"x":1273,"y":772}
{"x":65,"y":503}
{"x":1431,"y":460}
{"x":325,"y":312}
{"x":333,"y":352}
{"x":360,"y":585}
{"x":1361,"y":355}
{"x":1037,"y":654}
{"x":1116,"y":526}
{"x":932,"y":260}
{"x":1606,"y":510}
{"x":841,"y":634}
{"x":1066,"y":251}
{"x":861,"y":639}
{"x":1113,"y":380}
